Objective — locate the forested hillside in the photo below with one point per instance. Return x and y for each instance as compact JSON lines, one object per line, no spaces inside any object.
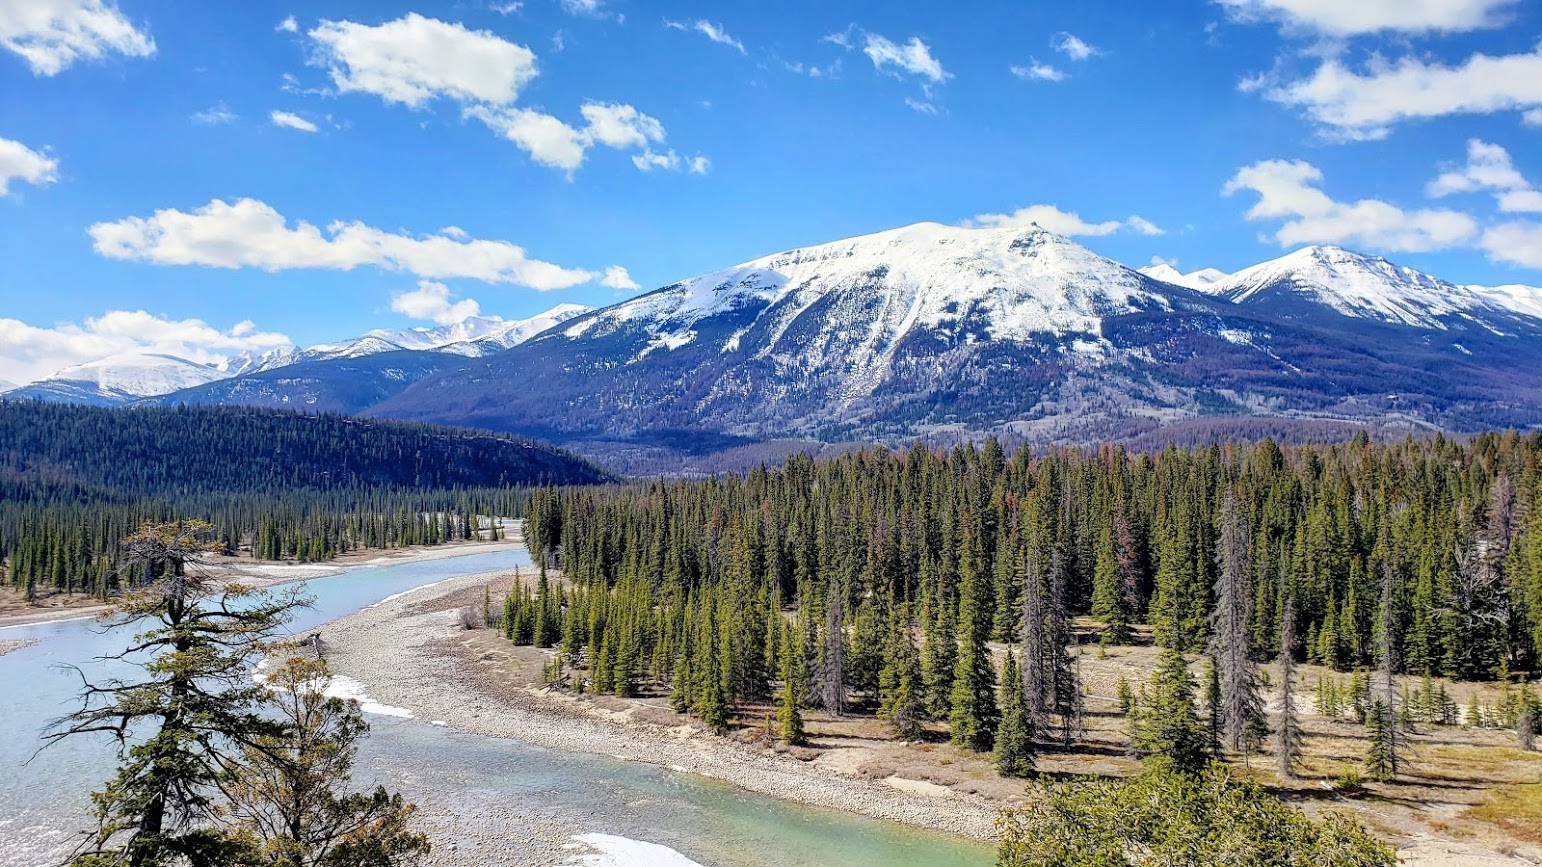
{"x":1433,"y":545}
{"x":74,"y":480}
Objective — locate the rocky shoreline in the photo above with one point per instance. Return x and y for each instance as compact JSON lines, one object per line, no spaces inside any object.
{"x":404,"y":652}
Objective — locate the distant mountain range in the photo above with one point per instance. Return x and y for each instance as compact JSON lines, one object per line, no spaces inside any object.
{"x":123,"y":379}
{"x":944,"y":333}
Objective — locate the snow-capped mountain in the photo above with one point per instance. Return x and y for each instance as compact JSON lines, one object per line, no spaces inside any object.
{"x":252,"y":361}
{"x":119,"y":379}
{"x":472,"y":337}
{"x":1200,"y":280}
{"x":947,"y":332}
{"x":1311,"y":280}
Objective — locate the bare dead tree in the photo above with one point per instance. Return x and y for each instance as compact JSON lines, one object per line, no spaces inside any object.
{"x":1288,"y":737}
{"x":1064,"y":678}
{"x":830,"y":677}
{"x":1242,"y":706}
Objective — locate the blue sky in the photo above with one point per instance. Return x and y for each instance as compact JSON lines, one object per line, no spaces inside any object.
{"x":158,"y":158}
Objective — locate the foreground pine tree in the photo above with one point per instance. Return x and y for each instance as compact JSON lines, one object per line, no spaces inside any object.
{"x":1014,"y":737}
{"x":1167,"y":723}
{"x":288,"y":799}
{"x":1163,"y":817}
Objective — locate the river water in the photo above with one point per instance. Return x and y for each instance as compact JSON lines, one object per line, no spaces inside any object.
{"x":44,"y":801}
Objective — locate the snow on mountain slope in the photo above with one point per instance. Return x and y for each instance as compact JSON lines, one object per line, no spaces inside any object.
{"x":1200,"y":280}
{"x":475,"y":336}
{"x":139,"y":374}
{"x":1526,"y":300}
{"x":1019,"y":283}
{"x":252,"y":361}
{"x":1365,"y":287}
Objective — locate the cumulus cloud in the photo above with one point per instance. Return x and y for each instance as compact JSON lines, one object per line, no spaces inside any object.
{"x":585,"y":8}
{"x":1518,"y":243}
{"x":1061,"y":222}
{"x":648,"y":160}
{"x":1357,"y":17}
{"x":616,"y":277}
{"x":20,"y":163}
{"x":431,"y":302}
{"x":1072,"y":46}
{"x":28,"y":352}
{"x":914,"y":57}
{"x":714,"y":32}
{"x":251,"y":234}
{"x":291,"y":121}
{"x":1038,"y":71}
{"x":698,"y":165}
{"x":414,"y":59}
{"x":1489,"y":169}
{"x":52,"y":35}
{"x":1355,"y":105}
{"x":288,"y":25}
{"x":1289,"y":191}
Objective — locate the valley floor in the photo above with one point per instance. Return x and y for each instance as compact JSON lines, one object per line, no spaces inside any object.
{"x":1466,"y":799}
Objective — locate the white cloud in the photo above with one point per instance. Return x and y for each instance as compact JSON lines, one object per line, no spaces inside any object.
{"x":414,"y":59}
{"x":1159,"y":260}
{"x":1489,"y":168}
{"x":1518,"y":242}
{"x":1288,"y":191}
{"x":914,"y":57}
{"x":553,"y":142}
{"x":620,"y":126}
{"x":292,"y":121}
{"x":288,"y":25}
{"x":584,"y":8}
{"x":1062,"y":222}
{"x":1072,"y":46}
{"x":51,"y":35}
{"x":1365,"y":106}
{"x":842,"y":38}
{"x":616,"y":277}
{"x":714,"y":32}
{"x":1358,"y":17}
{"x":431,"y":302}
{"x":921,"y":106}
{"x":1533,"y":117}
{"x":20,"y":163}
{"x":508,"y":8}
{"x":215,"y":115}
{"x":547,"y":139}
{"x":251,"y":234}
{"x":28,"y":353}
{"x":1038,"y":71}
{"x":648,"y":160}
{"x":699,"y":165}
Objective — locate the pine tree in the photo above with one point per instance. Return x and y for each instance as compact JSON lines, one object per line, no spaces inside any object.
{"x":794,"y":684}
{"x":1215,"y":723}
{"x":830,"y":679}
{"x":901,"y":702}
{"x":1014,"y":737}
{"x":1167,"y":722}
{"x":974,"y":716}
{"x":1381,"y":732}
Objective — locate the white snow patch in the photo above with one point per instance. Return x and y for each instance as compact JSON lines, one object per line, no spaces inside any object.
{"x":613,"y":851}
{"x":344,"y":687}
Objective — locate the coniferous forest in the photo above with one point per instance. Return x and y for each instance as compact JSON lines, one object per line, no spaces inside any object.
{"x":877,"y":579}
{"x":75,"y":480}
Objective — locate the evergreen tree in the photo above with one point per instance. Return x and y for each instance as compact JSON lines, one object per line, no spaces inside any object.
{"x":901,"y":702}
{"x":974,"y":712}
{"x":1288,"y":737}
{"x":1167,"y":723}
{"x":1014,"y":737}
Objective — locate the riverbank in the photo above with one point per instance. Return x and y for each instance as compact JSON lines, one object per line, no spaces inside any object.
{"x":17,"y":611}
{"x":412,"y":653}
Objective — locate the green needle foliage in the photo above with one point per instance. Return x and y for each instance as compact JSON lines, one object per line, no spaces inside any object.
{"x":1167,"y":818}
{"x":1167,"y":727}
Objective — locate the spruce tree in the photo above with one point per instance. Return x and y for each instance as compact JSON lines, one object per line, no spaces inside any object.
{"x":975,"y":714}
{"x":794,"y":683}
{"x":1014,"y":737}
{"x":901,"y":702}
{"x":1167,"y":722}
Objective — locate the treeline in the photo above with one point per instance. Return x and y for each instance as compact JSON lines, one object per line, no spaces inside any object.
{"x":279,"y":485}
{"x":878,"y":578}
